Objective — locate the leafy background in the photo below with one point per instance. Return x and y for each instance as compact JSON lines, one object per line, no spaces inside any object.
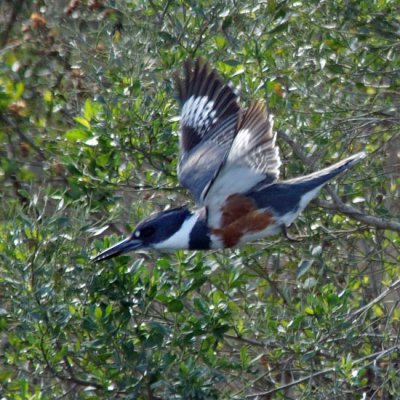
{"x":88,"y":135}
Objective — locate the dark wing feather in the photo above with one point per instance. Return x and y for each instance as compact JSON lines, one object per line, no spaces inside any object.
{"x":209,"y":114}
{"x":198,"y":168}
{"x":252,"y":158}
{"x":255,"y":142}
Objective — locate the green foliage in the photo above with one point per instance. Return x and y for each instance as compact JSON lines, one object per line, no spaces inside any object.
{"x":88,"y":146}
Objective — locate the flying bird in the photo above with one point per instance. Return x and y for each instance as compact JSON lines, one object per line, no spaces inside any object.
{"x":229,"y":161}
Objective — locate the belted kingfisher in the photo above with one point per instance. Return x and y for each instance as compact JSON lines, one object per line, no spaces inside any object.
{"x":230,"y":163}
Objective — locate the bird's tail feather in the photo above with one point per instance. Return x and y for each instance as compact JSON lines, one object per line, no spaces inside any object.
{"x":324,"y":175}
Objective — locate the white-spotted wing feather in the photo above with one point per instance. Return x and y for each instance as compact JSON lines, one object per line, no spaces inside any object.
{"x":209,"y":114}
{"x":253,"y":158}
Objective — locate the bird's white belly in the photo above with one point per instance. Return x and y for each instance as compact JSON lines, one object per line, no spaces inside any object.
{"x":268,"y":231}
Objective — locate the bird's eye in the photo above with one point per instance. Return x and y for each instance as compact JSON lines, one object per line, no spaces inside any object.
{"x":147,"y":231}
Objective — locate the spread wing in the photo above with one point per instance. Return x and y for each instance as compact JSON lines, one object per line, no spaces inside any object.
{"x":252,"y":158}
{"x":209,"y":116}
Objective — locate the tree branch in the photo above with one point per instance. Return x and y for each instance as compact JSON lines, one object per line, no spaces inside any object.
{"x":17,"y":7}
{"x":395,"y":285}
{"x":375,"y":356}
{"x":293,"y":383}
{"x":352,"y":212}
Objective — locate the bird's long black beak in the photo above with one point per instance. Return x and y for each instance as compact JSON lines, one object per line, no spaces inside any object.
{"x":122,"y":247}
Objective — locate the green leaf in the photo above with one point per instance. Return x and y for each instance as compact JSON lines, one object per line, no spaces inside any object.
{"x":220,"y":41}
{"x":75,"y":135}
{"x":83,"y":121}
{"x":88,"y":110}
{"x":175,"y":305}
{"x":244,"y":357}
{"x":19,"y":90}
{"x":98,"y":313}
{"x":304,"y":266}
{"x":309,"y":311}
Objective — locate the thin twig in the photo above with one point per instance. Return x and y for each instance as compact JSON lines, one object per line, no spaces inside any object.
{"x":17,"y":8}
{"x":352,"y":212}
{"x":395,"y":285}
{"x":15,"y":128}
{"x":245,"y":340}
{"x":59,"y":375}
{"x":376,"y":356}
{"x":293,"y":383}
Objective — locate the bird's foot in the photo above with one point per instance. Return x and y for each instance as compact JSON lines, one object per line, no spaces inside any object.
{"x":288,"y":236}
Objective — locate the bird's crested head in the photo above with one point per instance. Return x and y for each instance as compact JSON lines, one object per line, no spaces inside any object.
{"x":161,"y":230}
